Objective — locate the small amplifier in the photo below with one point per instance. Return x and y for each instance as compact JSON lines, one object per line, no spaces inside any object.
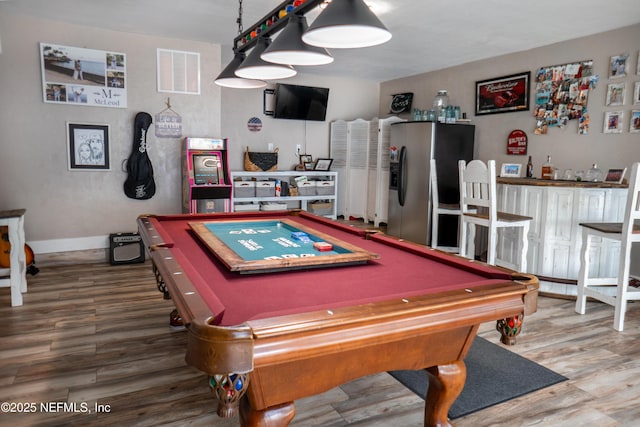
{"x":125,"y":248}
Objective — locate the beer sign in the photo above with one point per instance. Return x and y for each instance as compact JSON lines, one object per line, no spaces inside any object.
{"x":517,"y":143}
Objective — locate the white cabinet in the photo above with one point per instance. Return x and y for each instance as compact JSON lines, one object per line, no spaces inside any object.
{"x":319,"y":198}
{"x":555,"y":237}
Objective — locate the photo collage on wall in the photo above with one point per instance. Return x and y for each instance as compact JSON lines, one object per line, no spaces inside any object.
{"x":561,"y":94}
{"x":619,"y":68}
{"x":83,"y":77}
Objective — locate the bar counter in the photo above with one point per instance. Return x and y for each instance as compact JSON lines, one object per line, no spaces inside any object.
{"x":557,"y":208}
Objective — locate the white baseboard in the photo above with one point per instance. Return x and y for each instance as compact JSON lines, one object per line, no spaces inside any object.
{"x":69,"y":245}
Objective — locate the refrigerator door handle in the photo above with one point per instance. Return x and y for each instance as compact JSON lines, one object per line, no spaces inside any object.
{"x":402,"y":175}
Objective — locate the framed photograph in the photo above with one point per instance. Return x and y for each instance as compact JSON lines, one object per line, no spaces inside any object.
{"x":88,"y":146}
{"x":613,"y":122}
{"x":503,"y":94}
{"x":634,"y":126}
{"x":305,"y":158}
{"x":511,"y":170}
{"x":615,"y":175}
{"x":618,"y":66}
{"x":615,"y":94}
{"x":636,"y":93}
{"x":323,"y":164}
{"x":308,"y":166}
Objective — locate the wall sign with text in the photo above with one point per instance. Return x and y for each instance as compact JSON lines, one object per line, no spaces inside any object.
{"x":517,"y":143}
{"x":401,"y":102}
{"x":83,"y":77}
{"x":503,"y":94}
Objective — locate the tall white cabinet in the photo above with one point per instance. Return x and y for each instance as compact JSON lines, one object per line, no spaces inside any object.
{"x":360,"y":153}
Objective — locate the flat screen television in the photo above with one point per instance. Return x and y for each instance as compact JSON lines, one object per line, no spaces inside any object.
{"x":300,"y":102}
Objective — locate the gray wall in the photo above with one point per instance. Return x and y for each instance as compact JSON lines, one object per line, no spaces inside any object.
{"x":62,"y":204}
{"x":71,"y":210}
{"x":567,"y":148}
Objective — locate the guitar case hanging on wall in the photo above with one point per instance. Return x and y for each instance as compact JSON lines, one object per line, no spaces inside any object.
{"x":140,"y":184}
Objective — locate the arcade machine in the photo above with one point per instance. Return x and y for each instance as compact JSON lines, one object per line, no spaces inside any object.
{"x":206,"y":185}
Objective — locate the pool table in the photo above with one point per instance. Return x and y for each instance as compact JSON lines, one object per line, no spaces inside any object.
{"x":268,"y":339}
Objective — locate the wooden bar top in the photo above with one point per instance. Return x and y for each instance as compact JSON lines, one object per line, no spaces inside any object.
{"x":559,"y":183}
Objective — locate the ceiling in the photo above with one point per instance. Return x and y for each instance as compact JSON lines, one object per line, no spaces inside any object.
{"x":427,"y":35}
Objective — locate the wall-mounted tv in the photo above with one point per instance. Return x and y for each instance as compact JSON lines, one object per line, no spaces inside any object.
{"x":300,"y":102}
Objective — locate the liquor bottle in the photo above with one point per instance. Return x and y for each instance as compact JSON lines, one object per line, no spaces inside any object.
{"x":529,"y":168}
{"x":547,"y":169}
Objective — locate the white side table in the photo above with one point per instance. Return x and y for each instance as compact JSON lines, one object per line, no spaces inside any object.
{"x":17,"y":272}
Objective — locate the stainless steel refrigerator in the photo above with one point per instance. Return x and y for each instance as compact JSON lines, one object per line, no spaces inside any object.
{"x":413,"y":145}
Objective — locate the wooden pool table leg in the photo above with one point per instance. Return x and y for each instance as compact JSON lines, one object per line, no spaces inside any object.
{"x":509,"y":328}
{"x":445,"y":384}
{"x":276,"y":416}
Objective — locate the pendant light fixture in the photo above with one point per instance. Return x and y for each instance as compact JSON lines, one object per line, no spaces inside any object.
{"x":228,"y":78}
{"x":288,"y":47}
{"x":346,"y":24}
{"x":254,"y":67}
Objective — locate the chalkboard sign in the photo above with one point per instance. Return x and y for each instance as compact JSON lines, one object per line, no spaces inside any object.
{"x":401,"y":102}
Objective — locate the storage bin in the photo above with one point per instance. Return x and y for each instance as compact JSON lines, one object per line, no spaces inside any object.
{"x":244,"y":189}
{"x":273,"y":206}
{"x":265,"y":189}
{"x":325,"y":188}
{"x":246,"y":207}
{"x":307,"y":188}
{"x":321,"y":208}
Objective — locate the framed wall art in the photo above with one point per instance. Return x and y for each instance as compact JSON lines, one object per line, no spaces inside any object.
{"x":636,"y":93}
{"x":613,"y":122}
{"x":615,"y":94}
{"x":88,"y":146}
{"x":503,"y":94}
{"x":83,"y":77}
{"x":618,"y":66}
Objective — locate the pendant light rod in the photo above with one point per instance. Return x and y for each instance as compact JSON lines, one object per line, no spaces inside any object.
{"x":277,"y":22}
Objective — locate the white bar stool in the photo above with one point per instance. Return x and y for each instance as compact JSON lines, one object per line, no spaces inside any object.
{"x":627,"y":233}
{"x":17,"y":272}
{"x":478,"y":189}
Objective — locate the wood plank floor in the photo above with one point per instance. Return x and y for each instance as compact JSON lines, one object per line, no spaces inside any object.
{"x":95,"y":333}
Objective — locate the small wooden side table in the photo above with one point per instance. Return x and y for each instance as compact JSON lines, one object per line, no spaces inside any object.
{"x":17,"y":272}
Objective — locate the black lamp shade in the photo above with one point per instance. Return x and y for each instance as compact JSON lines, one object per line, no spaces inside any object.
{"x":254,"y":67}
{"x":346,"y":24}
{"x":288,"y":47}
{"x":228,"y":78}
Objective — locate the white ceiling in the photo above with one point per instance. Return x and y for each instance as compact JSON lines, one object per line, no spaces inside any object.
{"x":427,"y":34}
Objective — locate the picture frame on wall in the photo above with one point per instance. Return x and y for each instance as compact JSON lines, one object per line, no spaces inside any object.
{"x":505,"y":94}
{"x":634,"y":122}
{"x":613,"y":122}
{"x":615,"y":94}
{"x":618,"y":66}
{"x":636,"y":93}
{"x":88,"y":147}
